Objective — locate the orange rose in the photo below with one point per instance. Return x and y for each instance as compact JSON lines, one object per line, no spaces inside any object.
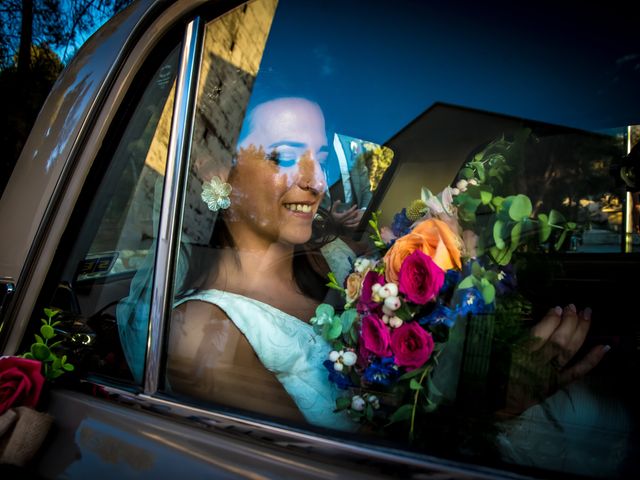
{"x":434,"y":238}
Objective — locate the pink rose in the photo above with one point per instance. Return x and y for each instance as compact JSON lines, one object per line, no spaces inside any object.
{"x":375,"y":336}
{"x":411,"y":345}
{"x":366,"y":304}
{"x":420,"y":279}
{"x":21,"y":382}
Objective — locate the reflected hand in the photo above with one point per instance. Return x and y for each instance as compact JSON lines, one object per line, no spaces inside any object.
{"x":543,"y":366}
{"x":349,"y":218}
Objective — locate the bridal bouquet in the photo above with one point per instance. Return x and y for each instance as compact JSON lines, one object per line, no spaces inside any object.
{"x":436,"y":265}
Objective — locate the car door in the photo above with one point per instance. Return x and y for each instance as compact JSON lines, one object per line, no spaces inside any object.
{"x":411,"y":96}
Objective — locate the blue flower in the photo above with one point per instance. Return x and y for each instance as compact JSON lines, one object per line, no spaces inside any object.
{"x":382,"y":372}
{"x":341,"y":380}
{"x":401,"y":225}
{"x":507,"y":280}
{"x":439,"y":315}
{"x":451,"y":279}
{"x":469,"y":300}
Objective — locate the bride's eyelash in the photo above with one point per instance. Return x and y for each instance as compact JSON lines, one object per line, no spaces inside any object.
{"x":276,"y":157}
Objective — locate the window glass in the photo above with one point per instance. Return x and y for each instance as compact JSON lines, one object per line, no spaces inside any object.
{"x":107,"y":269}
{"x":408,"y":227}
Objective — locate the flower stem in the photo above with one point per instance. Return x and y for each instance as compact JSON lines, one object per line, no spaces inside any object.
{"x":415,"y":403}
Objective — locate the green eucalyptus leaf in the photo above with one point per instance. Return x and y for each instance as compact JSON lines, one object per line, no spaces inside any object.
{"x":497,"y":201}
{"x":68,"y":367}
{"x":480,"y":171}
{"x":57,"y":363}
{"x":354,"y":335}
{"x":334,"y":331}
{"x":415,"y":385}
{"x":545,"y":229}
{"x":520,"y":207}
{"x":39,"y":339}
{"x":466,"y":173}
{"x":325,"y":309}
{"x":347,"y":318}
{"x":28,"y":355}
{"x":485,"y":197}
{"x":556,"y":218}
{"x":402,"y":413}
{"x":40,"y":351}
{"x":50,"y":312}
{"x":47,"y":332}
{"x":561,"y":239}
{"x":56,"y":374}
{"x":515,"y":234}
{"x":500,"y":256}
{"x":497,"y":234}
{"x":571,"y":225}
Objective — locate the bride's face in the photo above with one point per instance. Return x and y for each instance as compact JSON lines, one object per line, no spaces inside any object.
{"x":278,"y":181}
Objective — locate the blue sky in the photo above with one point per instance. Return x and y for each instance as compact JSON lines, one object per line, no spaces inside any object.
{"x":375,"y":66}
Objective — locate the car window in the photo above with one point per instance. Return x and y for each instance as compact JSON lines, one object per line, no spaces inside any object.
{"x":411,"y":227}
{"x":321,"y":162}
{"x":106,"y":268}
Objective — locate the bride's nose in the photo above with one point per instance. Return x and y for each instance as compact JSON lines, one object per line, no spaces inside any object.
{"x":310,"y":175}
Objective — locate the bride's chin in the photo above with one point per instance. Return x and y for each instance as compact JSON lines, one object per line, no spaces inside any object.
{"x":299,"y":237}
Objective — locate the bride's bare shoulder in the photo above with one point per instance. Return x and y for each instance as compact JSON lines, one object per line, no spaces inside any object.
{"x":198,"y":311}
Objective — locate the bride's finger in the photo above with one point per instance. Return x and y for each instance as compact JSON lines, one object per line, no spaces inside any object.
{"x":542,"y":330}
{"x":584,"y":366}
{"x":576,"y":341}
{"x":563,"y":336}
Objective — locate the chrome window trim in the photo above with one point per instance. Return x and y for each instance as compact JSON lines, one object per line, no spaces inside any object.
{"x":172,"y":194}
{"x":301,"y":440}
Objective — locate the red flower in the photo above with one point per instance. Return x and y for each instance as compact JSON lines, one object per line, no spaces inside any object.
{"x":411,"y":345}
{"x":367,"y":304}
{"x":375,"y":336}
{"x":420,"y":279}
{"x":21,"y":382}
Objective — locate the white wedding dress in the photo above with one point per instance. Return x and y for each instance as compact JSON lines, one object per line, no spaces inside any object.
{"x":290,"y":349}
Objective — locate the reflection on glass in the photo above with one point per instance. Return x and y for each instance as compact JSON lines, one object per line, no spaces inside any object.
{"x":290,"y":178}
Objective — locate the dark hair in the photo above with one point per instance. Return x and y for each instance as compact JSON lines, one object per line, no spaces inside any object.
{"x":309,"y":266}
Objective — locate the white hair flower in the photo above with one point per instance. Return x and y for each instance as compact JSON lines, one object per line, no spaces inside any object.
{"x":215,"y":193}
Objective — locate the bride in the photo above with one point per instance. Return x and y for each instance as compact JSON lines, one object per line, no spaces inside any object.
{"x":242,"y":337}
{"x":239,"y":335}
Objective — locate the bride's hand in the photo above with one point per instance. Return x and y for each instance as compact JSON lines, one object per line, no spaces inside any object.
{"x":548,"y":362}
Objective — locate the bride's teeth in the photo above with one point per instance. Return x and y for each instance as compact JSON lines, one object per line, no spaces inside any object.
{"x":298,"y":207}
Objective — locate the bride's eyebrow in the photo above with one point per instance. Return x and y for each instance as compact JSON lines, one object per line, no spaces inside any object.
{"x":287,"y":143}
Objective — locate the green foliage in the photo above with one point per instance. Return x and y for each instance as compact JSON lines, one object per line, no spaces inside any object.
{"x":508,"y":223}
{"x":376,"y":236}
{"x":42,"y":349}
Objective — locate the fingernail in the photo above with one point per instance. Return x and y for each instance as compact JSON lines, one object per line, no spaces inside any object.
{"x":572,"y":307}
{"x":558,"y":310}
{"x":587,"y":313}
{"x":606,"y":348}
